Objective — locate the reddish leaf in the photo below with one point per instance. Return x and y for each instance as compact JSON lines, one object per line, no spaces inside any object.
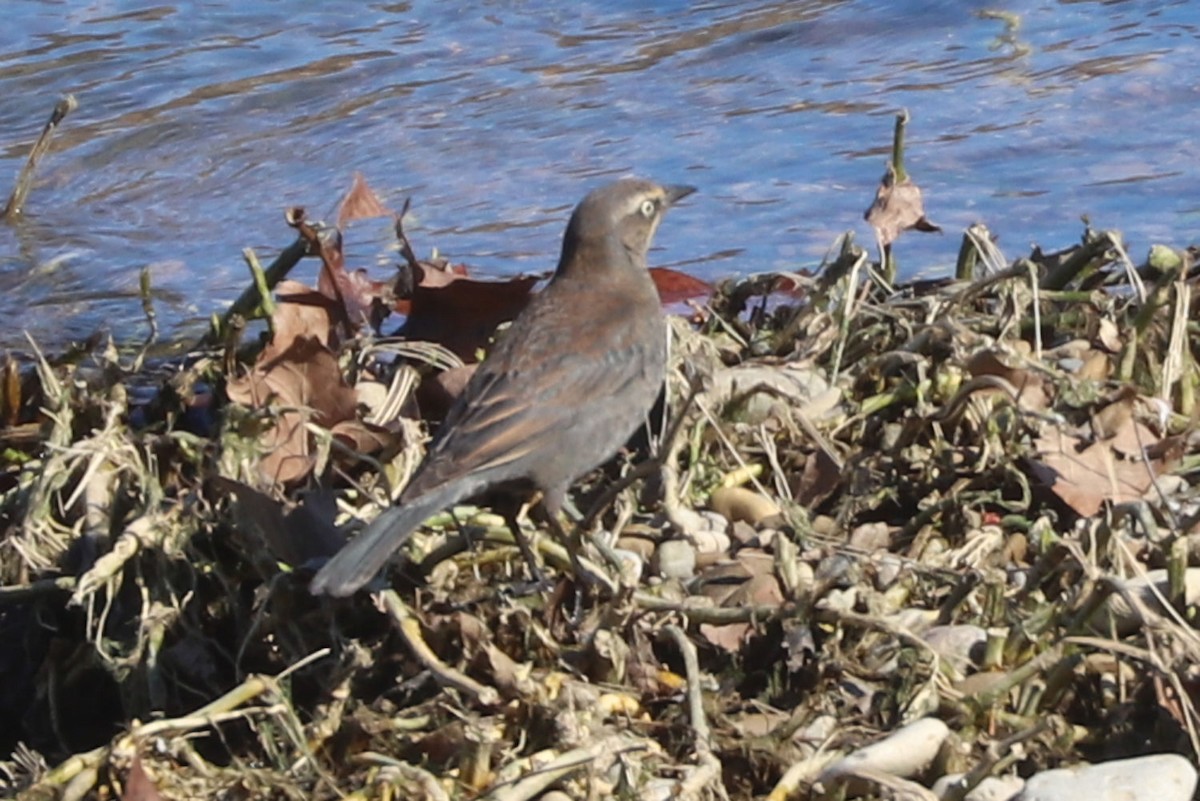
{"x":463,"y":313}
{"x":676,"y":287}
{"x":360,"y":203}
{"x":138,"y":786}
{"x":354,"y":292}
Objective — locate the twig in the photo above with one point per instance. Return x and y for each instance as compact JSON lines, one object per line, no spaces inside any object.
{"x":535,"y":783}
{"x":410,"y":630}
{"x":251,"y":296}
{"x":144,"y":290}
{"x":898,"y":146}
{"x":79,"y":771}
{"x":265,"y":302}
{"x":16,"y":201}
{"x":708,"y":772}
{"x":27,"y":592}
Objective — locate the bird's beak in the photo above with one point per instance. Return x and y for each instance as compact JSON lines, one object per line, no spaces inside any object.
{"x":677,"y":192}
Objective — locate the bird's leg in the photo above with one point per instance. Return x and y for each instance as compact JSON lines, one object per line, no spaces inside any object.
{"x":571,"y":536}
{"x":573,"y":544}
{"x":512,"y":518}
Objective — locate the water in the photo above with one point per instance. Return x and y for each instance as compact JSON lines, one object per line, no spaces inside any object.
{"x":201,"y":121}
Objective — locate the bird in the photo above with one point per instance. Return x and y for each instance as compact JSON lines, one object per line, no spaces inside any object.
{"x":563,"y":388}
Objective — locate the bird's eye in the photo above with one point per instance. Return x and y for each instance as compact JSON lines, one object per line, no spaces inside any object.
{"x":648,"y":208}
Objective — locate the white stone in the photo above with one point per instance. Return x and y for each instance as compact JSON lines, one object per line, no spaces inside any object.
{"x":1160,"y":777}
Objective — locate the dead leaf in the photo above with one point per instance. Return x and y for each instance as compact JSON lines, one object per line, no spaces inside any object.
{"x":760,"y":590}
{"x":362,"y":437}
{"x":300,"y":311}
{"x":304,"y":382}
{"x":1085,"y":477}
{"x":676,"y":287}
{"x":138,"y":786}
{"x":1109,"y":336}
{"x":304,"y":533}
{"x":1096,"y":367}
{"x":1032,"y":393}
{"x":360,"y":203}
{"x":1116,"y":417}
{"x":462,"y":314}
{"x":820,"y":477}
{"x":898,"y":207}
{"x":357,"y":296}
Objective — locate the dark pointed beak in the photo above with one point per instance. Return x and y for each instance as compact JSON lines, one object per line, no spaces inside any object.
{"x":677,"y":192}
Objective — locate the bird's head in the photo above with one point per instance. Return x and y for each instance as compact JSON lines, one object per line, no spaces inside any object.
{"x":615,"y":220}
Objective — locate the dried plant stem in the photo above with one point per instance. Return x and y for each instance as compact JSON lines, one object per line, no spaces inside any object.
{"x":603,"y":750}
{"x":16,"y":201}
{"x":707,"y":775}
{"x":898,"y":146}
{"x":410,"y":630}
{"x":252,"y":297}
{"x":78,"y":773}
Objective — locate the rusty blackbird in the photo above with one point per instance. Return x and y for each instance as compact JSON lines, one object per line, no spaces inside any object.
{"x":562,"y":390}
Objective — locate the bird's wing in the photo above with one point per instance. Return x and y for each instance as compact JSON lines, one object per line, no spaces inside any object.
{"x":516,"y":401}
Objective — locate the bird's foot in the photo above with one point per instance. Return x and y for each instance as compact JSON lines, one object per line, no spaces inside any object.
{"x":524,"y":589}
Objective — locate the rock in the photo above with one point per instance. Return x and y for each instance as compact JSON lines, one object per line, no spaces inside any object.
{"x":641,"y":546}
{"x":905,"y":752}
{"x":1160,"y":777}
{"x":993,"y":788}
{"x":739,"y":503}
{"x":960,"y":645}
{"x":674,"y":559}
{"x":1147,"y":589}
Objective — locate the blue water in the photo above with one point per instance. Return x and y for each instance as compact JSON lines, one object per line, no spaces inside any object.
{"x":200,"y":122}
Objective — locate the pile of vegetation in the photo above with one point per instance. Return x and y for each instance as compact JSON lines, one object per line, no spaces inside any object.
{"x":953,"y":517}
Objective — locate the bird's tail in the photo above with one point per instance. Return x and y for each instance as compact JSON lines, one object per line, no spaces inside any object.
{"x":360,"y":559}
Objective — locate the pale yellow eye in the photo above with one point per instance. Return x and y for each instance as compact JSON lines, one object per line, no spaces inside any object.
{"x":648,"y":208}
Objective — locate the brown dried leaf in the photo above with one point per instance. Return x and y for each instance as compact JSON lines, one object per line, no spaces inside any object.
{"x":1096,"y":367}
{"x":303,"y":382}
{"x":1032,"y":392}
{"x":729,"y":636}
{"x":355,"y":293}
{"x":1116,"y":418}
{"x":462,"y":314}
{"x":361,"y":437}
{"x":138,"y":786}
{"x":1109,"y":336}
{"x":821,"y":476}
{"x":1085,"y":477}
{"x":300,"y":312}
{"x":898,"y":207}
{"x":360,"y":203}
{"x":759,"y":590}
